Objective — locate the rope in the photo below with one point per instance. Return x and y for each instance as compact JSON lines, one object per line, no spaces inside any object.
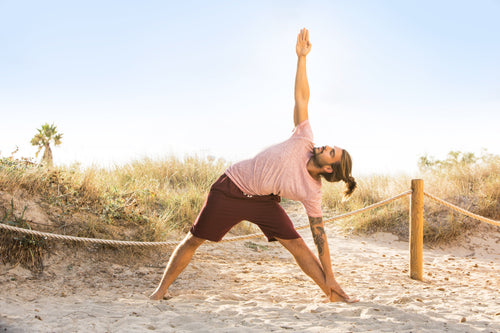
{"x":170,"y":243}
{"x":463,"y":211}
{"x":375,"y":205}
{"x":238,"y":238}
{"x":83,"y":239}
{"x":361,"y":210}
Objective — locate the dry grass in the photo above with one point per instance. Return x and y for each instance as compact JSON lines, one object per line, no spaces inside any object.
{"x":17,"y":248}
{"x":390,"y":218}
{"x":153,"y":197}
{"x":463,"y":179}
{"x":152,"y":200}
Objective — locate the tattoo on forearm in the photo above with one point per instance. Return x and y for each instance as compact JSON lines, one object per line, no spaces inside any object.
{"x":316,"y":224}
{"x":318,"y":239}
{"x":315,"y":220}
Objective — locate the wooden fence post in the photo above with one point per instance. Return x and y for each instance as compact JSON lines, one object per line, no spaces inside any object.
{"x":417,"y":229}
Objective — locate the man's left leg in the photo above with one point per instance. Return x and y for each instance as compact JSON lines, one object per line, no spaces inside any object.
{"x":309,"y":264}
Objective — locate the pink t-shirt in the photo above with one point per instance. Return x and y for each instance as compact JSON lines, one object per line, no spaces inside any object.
{"x":282,"y":170}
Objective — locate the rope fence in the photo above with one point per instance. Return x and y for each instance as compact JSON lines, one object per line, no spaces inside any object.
{"x":415,"y":227}
{"x":238,"y":238}
{"x":172,"y":243}
{"x":461,"y":210}
{"x":49,"y":235}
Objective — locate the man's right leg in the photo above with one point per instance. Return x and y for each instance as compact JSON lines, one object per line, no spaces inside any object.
{"x":179,"y":260}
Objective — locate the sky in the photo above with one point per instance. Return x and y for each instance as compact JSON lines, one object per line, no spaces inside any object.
{"x":390,"y":81}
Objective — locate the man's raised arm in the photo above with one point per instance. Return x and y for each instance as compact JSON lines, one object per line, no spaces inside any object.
{"x":301,"y":85}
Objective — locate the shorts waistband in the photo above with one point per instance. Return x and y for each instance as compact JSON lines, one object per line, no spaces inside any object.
{"x":227,"y":186}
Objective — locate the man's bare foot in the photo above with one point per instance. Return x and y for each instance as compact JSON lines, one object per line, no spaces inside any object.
{"x":337,"y":298}
{"x":156,"y":295}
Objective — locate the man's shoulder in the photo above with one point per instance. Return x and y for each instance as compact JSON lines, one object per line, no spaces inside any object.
{"x":303,"y":123}
{"x":303,"y":129}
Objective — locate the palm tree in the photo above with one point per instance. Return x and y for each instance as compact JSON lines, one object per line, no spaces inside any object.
{"x":43,"y":138}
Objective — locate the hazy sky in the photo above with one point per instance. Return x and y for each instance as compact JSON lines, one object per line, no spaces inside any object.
{"x":390,"y":80}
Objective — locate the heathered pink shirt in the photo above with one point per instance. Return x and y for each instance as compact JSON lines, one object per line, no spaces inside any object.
{"x":282,"y":170}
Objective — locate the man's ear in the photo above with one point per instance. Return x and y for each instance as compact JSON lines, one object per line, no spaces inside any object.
{"x":327,"y":168}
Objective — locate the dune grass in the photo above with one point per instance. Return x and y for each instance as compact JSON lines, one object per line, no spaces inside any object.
{"x":469,"y":181}
{"x":154,"y":200}
{"x":156,"y":197}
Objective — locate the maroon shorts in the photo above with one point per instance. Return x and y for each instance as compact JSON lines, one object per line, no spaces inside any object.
{"x":226,"y":205}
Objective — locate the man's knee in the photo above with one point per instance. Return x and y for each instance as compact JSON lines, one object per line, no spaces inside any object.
{"x":294,"y":245}
{"x":192,"y":241}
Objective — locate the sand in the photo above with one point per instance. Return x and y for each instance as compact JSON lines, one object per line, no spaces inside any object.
{"x":255,"y":286}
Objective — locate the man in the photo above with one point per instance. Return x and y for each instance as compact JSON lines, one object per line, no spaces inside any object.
{"x":251,"y":190}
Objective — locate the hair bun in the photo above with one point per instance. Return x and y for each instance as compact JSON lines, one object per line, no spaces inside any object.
{"x":350,"y":187}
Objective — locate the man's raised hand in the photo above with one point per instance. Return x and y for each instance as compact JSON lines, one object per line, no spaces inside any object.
{"x":303,"y":44}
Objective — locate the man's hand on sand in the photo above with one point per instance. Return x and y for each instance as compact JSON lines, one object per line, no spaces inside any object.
{"x":337,"y":294}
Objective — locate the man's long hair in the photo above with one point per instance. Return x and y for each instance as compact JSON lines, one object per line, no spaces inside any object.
{"x":342,"y":171}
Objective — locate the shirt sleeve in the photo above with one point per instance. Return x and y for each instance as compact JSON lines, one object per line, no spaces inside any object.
{"x":313,"y":207}
{"x":303,"y":130}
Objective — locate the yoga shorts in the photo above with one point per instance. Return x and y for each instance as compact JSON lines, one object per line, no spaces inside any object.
{"x":226,"y":205}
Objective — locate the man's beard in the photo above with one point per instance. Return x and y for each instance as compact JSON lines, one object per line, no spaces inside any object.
{"x":315,"y":159}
